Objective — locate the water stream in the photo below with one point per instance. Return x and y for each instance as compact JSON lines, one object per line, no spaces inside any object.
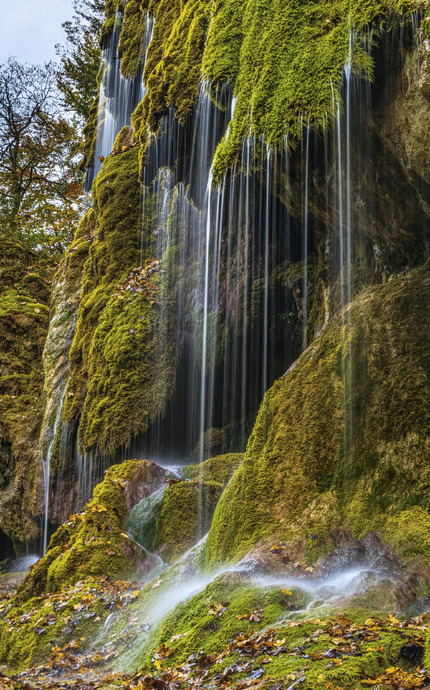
{"x":46,"y":465}
{"x":118,"y":95}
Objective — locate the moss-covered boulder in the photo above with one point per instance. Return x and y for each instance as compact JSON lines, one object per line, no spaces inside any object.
{"x":219,"y":469}
{"x":172,"y":521}
{"x":345,"y":428}
{"x":94,"y":543}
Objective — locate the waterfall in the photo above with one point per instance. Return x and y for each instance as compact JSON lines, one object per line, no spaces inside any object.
{"x":46,"y":465}
{"x":306,"y":237}
{"x":56,"y":370}
{"x":212,"y":238}
{"x":240,"y":255}
{"x":149,"y":28}
{"x":118,"y":95}
{"x":205,"y":314}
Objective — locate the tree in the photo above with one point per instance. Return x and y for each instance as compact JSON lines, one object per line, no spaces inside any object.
{"x":39,"y":177}
{"x":80,"y":57}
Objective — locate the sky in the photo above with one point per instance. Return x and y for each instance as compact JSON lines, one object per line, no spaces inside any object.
{"x":29,"y":29}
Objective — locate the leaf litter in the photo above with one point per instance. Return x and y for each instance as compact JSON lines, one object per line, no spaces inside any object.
{"x":251,"y":655}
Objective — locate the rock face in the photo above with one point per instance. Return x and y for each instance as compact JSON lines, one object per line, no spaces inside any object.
{"x":402,"y":116}
{"x":125,"y":349}
{"x":342,"y":439}
{"x":135,"y":359}
{"x":24,"y":318}
{"x":177,"y":306}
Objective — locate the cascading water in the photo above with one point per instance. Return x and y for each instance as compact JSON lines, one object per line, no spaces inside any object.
{"x":118,"y":96}
{"x":46,"y":465}
{"x":239,"y":256}
{"x":212,"y":239}
{"x":57,"y":369}
{"x":239,"y":259}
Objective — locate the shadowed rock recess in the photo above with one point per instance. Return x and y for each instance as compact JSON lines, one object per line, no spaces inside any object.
{"x":214,"y":417}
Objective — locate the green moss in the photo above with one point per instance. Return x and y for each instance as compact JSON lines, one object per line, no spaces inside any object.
{"x":131,"y":40}
{"x":30,"y":632}
{"x":34,"y":583}
{"x":284,"y":62}
{"x":121,"y":368}
{"x":98,"y":544}
{"x":350,"y":417}
{"x":66,"y":296}
{"x":224,"y":42}
{"x":90,"y":134}
{"x":37,"y":287}
{"x":173,"y":67}
{"x":193,"y":632}
{"x":124,"y":140}
{"x":111,"y":9}
{"x":23,"y":329}
{"x":408,"y":533}
{"x":219,"y":469}
{"x":197,"y":628}
{"x":94,"y":543}
{"x":181,"y":518}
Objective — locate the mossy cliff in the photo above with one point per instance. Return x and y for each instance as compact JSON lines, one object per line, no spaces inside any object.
{"x":342,"y":439}
{"x":24,"y":316}
{"x":118,"y":383}
{"x":122,"y":370}
{"x":285,"y":68}
{"x":66,"y":295}
{"x":284,"y":63}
